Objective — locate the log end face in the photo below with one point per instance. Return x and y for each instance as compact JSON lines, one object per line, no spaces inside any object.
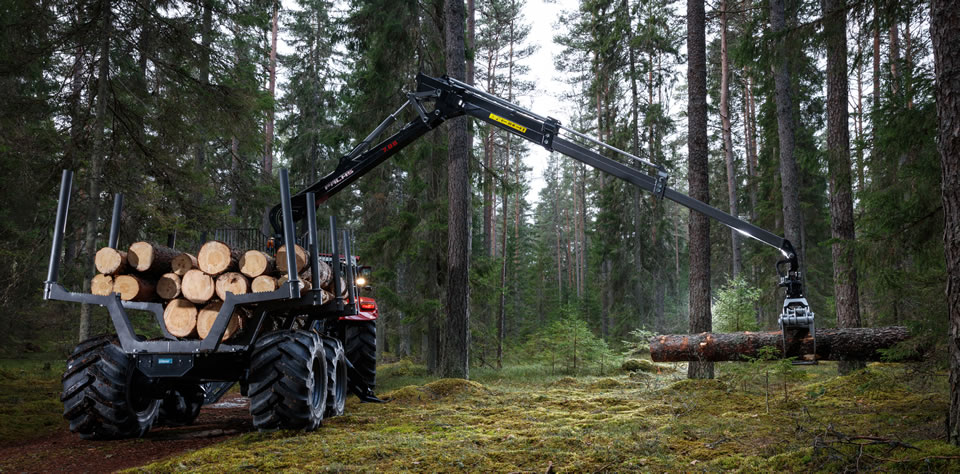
{"x":214,"y":257}
{"x":140,"y":256}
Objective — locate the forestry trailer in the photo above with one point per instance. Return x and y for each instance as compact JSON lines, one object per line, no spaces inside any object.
{"x":289,"y":358}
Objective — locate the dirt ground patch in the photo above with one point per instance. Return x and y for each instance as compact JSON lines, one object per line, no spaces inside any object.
{"x":62,"y":451}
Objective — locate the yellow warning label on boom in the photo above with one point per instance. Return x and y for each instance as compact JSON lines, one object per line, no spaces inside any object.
{"x":508,"y":123}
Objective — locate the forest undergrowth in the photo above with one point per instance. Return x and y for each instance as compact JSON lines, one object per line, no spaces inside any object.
{"x":523,"y":418}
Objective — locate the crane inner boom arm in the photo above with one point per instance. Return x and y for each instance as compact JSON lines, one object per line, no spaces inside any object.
{"x":453,"y":98}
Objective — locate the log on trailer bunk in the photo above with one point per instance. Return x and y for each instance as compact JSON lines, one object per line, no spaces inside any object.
{"x":150,"y":257}
{"x":832,"y":344}
{"x":216,"y":257}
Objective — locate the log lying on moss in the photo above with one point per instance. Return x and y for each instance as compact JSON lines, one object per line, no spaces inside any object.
{"x":832,"y":344}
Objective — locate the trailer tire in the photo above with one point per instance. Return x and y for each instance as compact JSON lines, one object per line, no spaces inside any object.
{"x":100,"y":396}
{"x":360,"y":339}
{"x":180,"y":406}
{"x":336,"y":376}
{"x":288,"y":381}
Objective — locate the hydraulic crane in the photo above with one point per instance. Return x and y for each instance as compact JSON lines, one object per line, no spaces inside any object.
{"x":452,"y":98}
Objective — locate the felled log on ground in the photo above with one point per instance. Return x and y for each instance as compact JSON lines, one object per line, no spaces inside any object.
{"x":216,"y":257}
{"x":150,"y":257}
{"x":832,"y":344}
{"x":133,"y":288}
{"x":110,"y":261}
{"x":254,"y":263}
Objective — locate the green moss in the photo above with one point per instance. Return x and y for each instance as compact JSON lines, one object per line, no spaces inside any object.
{"x":513,"y":423}
{"x":639,"y":365}
{"x":30,"y":399}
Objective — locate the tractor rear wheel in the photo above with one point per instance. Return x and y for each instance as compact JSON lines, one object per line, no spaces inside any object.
{"x":360,"y":346}
{"x":288,"y":381}
{"x":181,"y":406}
{"x":336,"y":376}
{"x":103,"y":395}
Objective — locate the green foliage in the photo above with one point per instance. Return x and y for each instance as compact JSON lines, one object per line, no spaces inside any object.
{"x":734,"y":308}
{"x":638,"y":342}
{"x":569,"y":343}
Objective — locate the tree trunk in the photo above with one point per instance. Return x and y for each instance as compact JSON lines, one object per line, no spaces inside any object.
{"x":838,"y":160}
{"x":502,"y":308}
{"x":737,"y":263}
{"x":268,"y":132}
{"x":832,"y":344}
{"x":789,"y":176}
{"x":698,"y":177}
{"x":98,"y":156}
{"x":455,"y":359}
{"x":944,"y":17}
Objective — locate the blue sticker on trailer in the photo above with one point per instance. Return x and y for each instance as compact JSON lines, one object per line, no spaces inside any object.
{"x":165,"y":361}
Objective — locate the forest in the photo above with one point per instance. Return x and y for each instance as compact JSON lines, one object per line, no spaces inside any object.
{"x":830,"y":123}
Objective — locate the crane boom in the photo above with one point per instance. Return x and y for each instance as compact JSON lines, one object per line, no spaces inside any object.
{"x":452,"y":98}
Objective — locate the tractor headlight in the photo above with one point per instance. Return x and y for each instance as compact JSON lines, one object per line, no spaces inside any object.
{"x":361,"y":281}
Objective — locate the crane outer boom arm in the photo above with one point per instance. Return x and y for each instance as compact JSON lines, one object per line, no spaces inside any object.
{"x":453,"y":98}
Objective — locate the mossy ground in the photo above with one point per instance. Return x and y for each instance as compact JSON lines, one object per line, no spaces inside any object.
{"x":523,"y":419}
{"x":29,"y":398}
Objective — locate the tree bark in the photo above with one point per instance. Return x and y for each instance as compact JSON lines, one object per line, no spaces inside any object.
{"x":455,"y":359}
{"x":945,"y":37}
{"x":97,"y":157}
{"x":698,"y":177}
{"x":838,"y":160}
{"x":789,"y":176}
{"x":268,"y":132}
{"x":832,"y":344}
{"x":737,"y":263}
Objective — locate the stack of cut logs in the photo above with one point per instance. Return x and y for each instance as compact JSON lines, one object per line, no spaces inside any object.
{"x":193,"y":288}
